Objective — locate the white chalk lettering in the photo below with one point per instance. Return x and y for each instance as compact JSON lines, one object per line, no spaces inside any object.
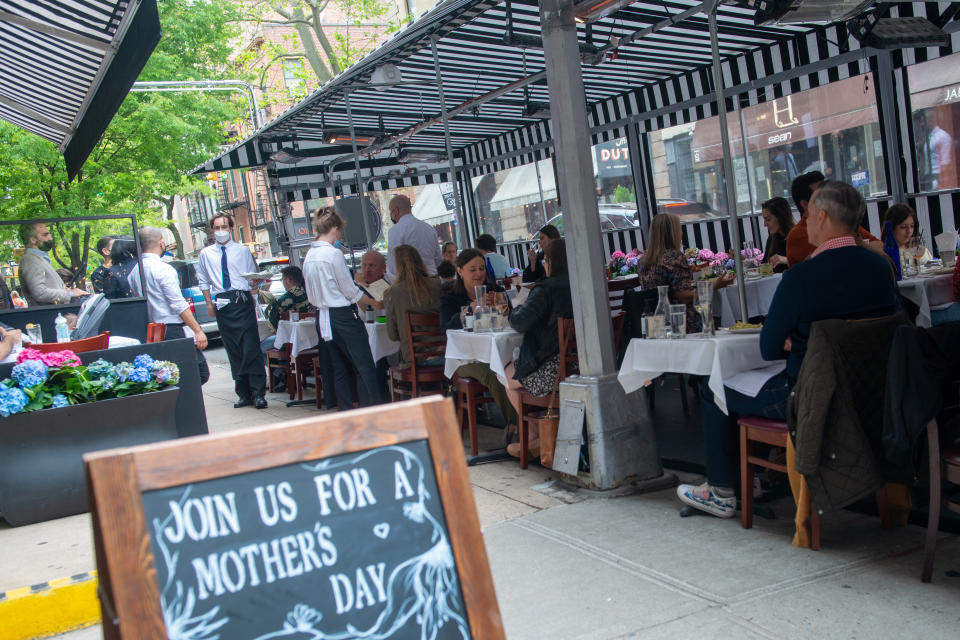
{"x":402,"y":488}
{"x":201,"y":518}
{"x":311,"y":560}
{"x":291,"y":559}
{"x":344,"y":492}
{"x":376,"y":575}
{"x":324,"y":535}
{"x":361,"y":479}
{"x":357,"y":594}
{"x":249,"y":553}
{"x":270,"y":555}
{"x":349,"y":489}
{"x":231,"y":582}
{"x":323,"y":493}
{"x":278,"y":503}
{"x":344,"y":599}
{"x":208,"y":577}
{"x":288,"y":508}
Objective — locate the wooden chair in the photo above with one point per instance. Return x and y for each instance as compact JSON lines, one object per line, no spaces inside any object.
{"x":773,"y":433}
{"x":95,"y":343}
{"x":156,"y":331}
{"x":531,"y":404}
{"x":944,"y":465}
{"x":278,"y":359}
{"x":616,"y":289}
{"x":469,"y":394}
{"x":427,"y":341}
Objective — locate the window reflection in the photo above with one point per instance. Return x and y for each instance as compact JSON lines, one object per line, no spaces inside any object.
{"x":935,"y":100}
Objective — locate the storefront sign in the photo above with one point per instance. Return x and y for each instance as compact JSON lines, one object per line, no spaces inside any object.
{"x":613,"y":158}
{"x":359,"y":525}
{"x":449,"y":200}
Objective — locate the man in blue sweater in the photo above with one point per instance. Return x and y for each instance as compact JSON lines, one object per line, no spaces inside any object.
{"x":840,"y":279}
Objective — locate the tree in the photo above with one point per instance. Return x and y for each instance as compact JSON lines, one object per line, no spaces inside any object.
{"x":139,"y":164}
{"x":327,"y":50}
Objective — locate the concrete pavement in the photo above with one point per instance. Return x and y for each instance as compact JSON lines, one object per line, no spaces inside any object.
{"x":569,"y":564}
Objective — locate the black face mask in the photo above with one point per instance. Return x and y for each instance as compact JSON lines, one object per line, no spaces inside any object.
{"x":45,"y":246}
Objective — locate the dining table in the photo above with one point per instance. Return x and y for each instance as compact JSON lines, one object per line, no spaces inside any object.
{"x":495,"y":348}
{"x":302,"y":335}
{"x":929,"y":291}
{"x":759,"y":291}
{"x":729,"y":358}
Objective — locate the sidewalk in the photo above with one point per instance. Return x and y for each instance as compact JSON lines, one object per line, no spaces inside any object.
{"x":569,"y":564}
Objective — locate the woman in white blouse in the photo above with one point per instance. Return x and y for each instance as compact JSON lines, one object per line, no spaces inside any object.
{"x":344,"y":342}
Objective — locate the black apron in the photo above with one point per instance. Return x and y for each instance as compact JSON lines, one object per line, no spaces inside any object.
{"x":237,"y":322}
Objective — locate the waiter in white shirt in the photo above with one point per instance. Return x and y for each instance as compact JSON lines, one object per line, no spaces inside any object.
{"x":344,"y":340}
{"x":220,"y":270}
{"x":407,"y":229}
{"x":165,"y":301}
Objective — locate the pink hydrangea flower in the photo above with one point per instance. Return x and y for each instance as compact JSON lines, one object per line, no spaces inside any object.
{"x":721,"y":255}
{"x":706,"y":255}
{"x":618,"y":255}
{"x":64,"y":358}
{"x":635,"y":253}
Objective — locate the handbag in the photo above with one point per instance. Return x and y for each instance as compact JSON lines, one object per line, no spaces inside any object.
{"x":549,"y":425}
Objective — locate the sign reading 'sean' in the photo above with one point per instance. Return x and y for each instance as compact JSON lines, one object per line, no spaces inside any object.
{"x":353,"y":546}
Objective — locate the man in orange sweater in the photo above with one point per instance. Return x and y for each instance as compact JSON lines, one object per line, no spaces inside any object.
{"x":798,"y":246}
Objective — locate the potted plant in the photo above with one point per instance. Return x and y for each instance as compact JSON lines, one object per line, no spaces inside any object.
{"x":624,"y":264}
{"x":53,"y":409}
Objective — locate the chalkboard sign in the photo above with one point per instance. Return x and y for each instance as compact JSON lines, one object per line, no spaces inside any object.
{"x":355,"y":525}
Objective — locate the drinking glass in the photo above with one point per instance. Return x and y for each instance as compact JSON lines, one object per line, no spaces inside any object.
{"x":678,"y":321}
{"x":35,"y":334}
{"x":703,"y":304}
{"x":480,"y":294}
{"x":481,"y":323}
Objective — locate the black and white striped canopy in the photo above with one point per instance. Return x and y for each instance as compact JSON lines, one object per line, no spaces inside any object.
{"x":67,"y":65}
{"x":475,"y":60}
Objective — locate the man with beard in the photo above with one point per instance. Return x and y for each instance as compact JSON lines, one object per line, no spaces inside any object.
{"x":39,"y":280}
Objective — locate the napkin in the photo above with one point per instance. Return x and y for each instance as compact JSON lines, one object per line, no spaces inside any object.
{"x":946,"y":241}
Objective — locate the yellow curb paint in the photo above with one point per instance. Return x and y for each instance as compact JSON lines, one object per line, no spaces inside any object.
{"x":65,"y":605}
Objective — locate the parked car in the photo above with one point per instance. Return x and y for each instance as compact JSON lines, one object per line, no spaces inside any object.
{"x":612,"y":217}
{"x":685,"y":210}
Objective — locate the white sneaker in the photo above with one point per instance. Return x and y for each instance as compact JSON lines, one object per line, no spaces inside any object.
{"x":704,"y":499}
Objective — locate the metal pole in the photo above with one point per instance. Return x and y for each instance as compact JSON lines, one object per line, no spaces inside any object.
{"x":727,"y":163}
{"x":166,"y":86}
{"x":461,"y":230}
{"x":361,"y":186}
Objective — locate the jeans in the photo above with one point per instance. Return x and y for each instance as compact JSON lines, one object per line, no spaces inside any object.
{"x":720,"y":435}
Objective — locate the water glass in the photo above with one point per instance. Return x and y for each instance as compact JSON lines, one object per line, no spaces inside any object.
{"x":678,"y":321}
{"x":294,"y":316}
{"x":655,"y":326}
{"x":480,"y":293}
{"x":34,"y":333}
{"x":703,"y":304}
{"x":482,"y":321}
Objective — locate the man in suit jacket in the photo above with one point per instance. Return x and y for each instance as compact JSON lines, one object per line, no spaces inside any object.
{"x":39,"y":280}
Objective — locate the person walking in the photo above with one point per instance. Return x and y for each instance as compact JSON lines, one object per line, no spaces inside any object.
{"x":344,"y":342}
{"x":220,"y":269}
{"x":407,"y":229}
{"x":165,"y":302}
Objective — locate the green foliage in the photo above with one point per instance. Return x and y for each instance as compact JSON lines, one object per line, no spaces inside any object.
{"x":624,"y":194}
{"x":139,"y":164}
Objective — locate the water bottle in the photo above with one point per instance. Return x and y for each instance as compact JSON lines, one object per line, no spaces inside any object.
{"x":63,"y":332}
{"x":369,"y":315}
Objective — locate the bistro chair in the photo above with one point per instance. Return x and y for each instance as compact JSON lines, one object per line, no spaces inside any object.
{"x":428,"y":341}
{"x":532,"y":407}
{"x":302,"y":369}
{"x":278,"y":359}
{"x":469,"y":394}
{"x":156,"y":331}
{"x":616,"y":291}
{"x":95,"y":343}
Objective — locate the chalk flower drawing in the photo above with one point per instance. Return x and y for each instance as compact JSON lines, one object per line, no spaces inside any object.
{"x":423,"y":588}
{"x":178,"y":603}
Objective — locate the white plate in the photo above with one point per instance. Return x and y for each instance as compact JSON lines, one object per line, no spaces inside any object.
{"x":747,"y":330}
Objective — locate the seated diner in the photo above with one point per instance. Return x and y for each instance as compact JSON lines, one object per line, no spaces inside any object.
{"x":906,"y":231}
{"x":778,"y":219}
{"x":413,"y":290}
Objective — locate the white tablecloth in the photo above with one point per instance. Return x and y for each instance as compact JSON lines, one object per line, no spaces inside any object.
{"x":724,"y":358}
{"x":496,"y":349}
{"x":726,"y":301}
{"x":302,"y":335}
{"x":115,"y":341}
{"x":928,"y":292}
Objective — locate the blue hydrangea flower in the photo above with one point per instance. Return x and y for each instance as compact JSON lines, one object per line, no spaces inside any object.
{"x":122,"y":371}
{"x":731,"y":263}
{"x":140,"y":374}
{"x":100,"y":368}
{"x":143,"y":360}
{"x":624,"y":270}
{"x":108,"y":383}
{"x":60,"y":400}
{"x":12,"y":401}
{"x":30,"y":373}
{"x":2,"y":386}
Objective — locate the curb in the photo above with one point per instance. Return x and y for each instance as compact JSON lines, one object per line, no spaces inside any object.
{"x":49,"y":608}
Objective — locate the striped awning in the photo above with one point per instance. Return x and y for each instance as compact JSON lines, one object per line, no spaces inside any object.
{"x":658,"y":75}
{"x":68,"y":64}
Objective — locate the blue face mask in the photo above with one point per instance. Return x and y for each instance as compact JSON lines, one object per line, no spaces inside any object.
{"x":338,"y":244}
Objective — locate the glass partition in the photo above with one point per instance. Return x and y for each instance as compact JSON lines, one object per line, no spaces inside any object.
{"x":514,"y":203}
{"x":935,"y":100}
{"x":58,"y":261}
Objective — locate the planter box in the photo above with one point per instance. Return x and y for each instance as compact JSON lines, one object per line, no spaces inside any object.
{"x":41,"y":453}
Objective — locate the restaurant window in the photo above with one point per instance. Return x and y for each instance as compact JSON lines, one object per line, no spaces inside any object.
{"x":935,"y":100}
{"x":432,"y":203}
{"x":833,"y":129}
{"x":514,"y":203}
{"x":616,"y":195}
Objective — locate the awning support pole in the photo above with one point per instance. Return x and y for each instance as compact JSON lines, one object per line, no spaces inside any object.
{"x":361,"y":185}
{"x":728,"y":178}
{"x":458,"y":203}
{"x":622,"y":449}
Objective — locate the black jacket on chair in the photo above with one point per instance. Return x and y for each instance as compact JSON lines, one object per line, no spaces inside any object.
{"x":835,"y":411}
{"x":536,"y":319}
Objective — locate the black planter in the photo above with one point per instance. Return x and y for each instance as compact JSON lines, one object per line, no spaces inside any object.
{"x":41,"y":453}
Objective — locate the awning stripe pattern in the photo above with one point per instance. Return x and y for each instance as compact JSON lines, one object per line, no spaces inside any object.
{"x":67,"y":65}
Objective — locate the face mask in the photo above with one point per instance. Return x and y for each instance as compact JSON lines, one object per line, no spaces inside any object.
{"x":222,"y":236}
{"x":45,"y":246}
{"x":338,"y":244}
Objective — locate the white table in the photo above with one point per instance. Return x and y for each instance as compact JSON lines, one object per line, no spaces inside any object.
{"x":114,"y":342}
{"x":726,"y":301}
{"x":302,"y":335}
{"x":493,"y":348}
{"x":928,"y":292}
{"x":728,"y":358}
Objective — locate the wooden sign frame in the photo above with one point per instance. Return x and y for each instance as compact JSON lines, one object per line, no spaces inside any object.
{"x":116,"y":479}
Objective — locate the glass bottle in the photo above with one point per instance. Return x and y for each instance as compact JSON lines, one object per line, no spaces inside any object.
{"x":657,"y":323}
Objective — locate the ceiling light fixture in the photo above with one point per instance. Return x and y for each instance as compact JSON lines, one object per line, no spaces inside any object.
{"x":805,"y":11}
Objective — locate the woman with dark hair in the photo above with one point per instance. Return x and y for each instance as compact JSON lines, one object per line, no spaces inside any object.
{"x":534,"y":270}
{"x":664,"y":264}
{"x":123,"y":262}
{"x":535,"y":370}
{"x":472,"y":272}
{"x":414,"y":291}
{"x":104,"y":247}
{"x":778,"y":219}
{"x":344,"y":344}
{"x":906,"y":231}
